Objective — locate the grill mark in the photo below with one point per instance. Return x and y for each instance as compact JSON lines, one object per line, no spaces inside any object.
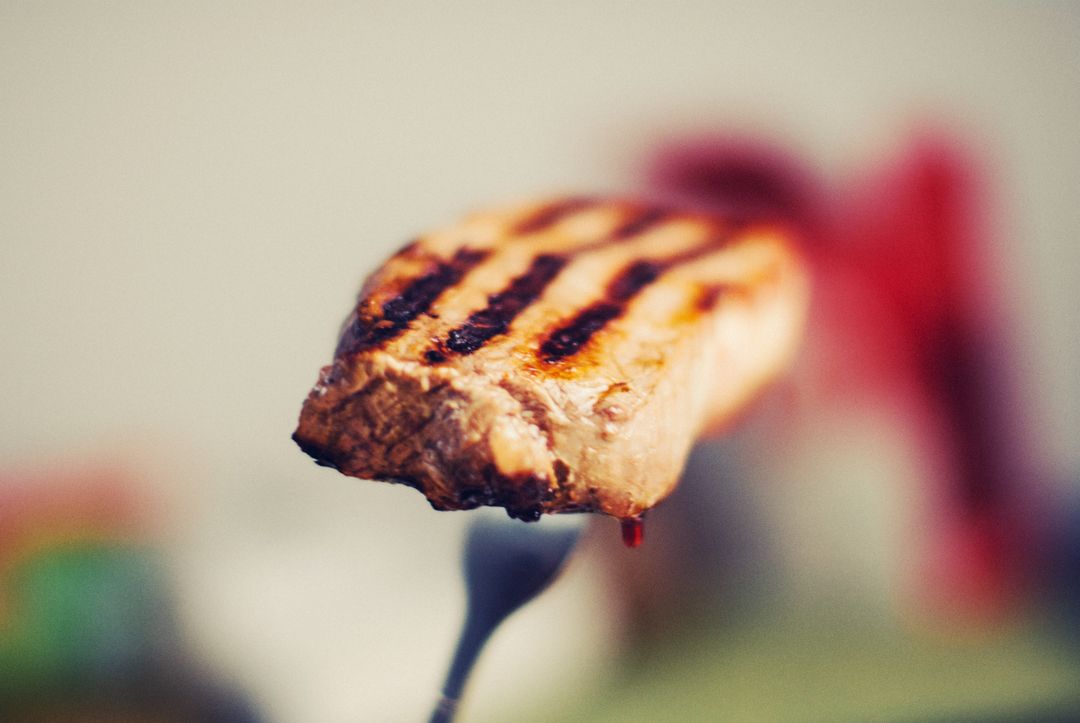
{"x":708,"y":297}
{"x":408,"y":249}
{"x":704,"y":299}
{"x":638,"y":224}
{"x":502,"y":308}
{"x":632,"y":279}
{"x":550,"y":214}
{"x":568,"y":338}
{"x":366,"y":331}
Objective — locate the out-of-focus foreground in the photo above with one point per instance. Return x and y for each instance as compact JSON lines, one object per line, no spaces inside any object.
{"x":190,"y":196}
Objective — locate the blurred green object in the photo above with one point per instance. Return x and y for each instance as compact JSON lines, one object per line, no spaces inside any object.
{"x":835,"y":668}
{"x":80,"y":615}
{"x":89,"y":636}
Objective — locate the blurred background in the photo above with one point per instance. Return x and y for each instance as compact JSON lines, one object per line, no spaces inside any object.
{"x":191,"y":195}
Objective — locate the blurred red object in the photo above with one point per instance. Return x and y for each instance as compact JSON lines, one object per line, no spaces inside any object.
{"x":907,"y":309}
{"x":918,"y":229}
{"x":43,"y":510}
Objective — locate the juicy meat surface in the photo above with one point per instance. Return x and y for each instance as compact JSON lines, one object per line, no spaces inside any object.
{"x":553,"y":357}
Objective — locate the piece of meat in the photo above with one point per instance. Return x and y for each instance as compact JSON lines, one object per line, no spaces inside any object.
{"x":556,"y":357}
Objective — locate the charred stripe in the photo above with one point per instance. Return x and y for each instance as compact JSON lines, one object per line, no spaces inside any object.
{"x":503,"y":307}
{"x":568,"y":338}
{"x":549,"y":215}
{"x":639,"y":224}
{"x":366,"y":331}
{"x":708,"y":297}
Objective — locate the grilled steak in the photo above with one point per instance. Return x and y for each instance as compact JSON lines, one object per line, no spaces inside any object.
{"x":555,"y":357}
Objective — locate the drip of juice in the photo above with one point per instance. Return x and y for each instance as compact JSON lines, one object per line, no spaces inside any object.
{"x":633,"y":531}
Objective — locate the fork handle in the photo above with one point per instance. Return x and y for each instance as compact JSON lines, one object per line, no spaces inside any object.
{"x":474,"y":635}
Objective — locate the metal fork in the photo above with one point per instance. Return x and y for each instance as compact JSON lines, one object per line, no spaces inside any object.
{"x":506,"y":564}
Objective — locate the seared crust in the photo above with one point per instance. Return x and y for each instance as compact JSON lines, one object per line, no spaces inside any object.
{"x":555,"y":357}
